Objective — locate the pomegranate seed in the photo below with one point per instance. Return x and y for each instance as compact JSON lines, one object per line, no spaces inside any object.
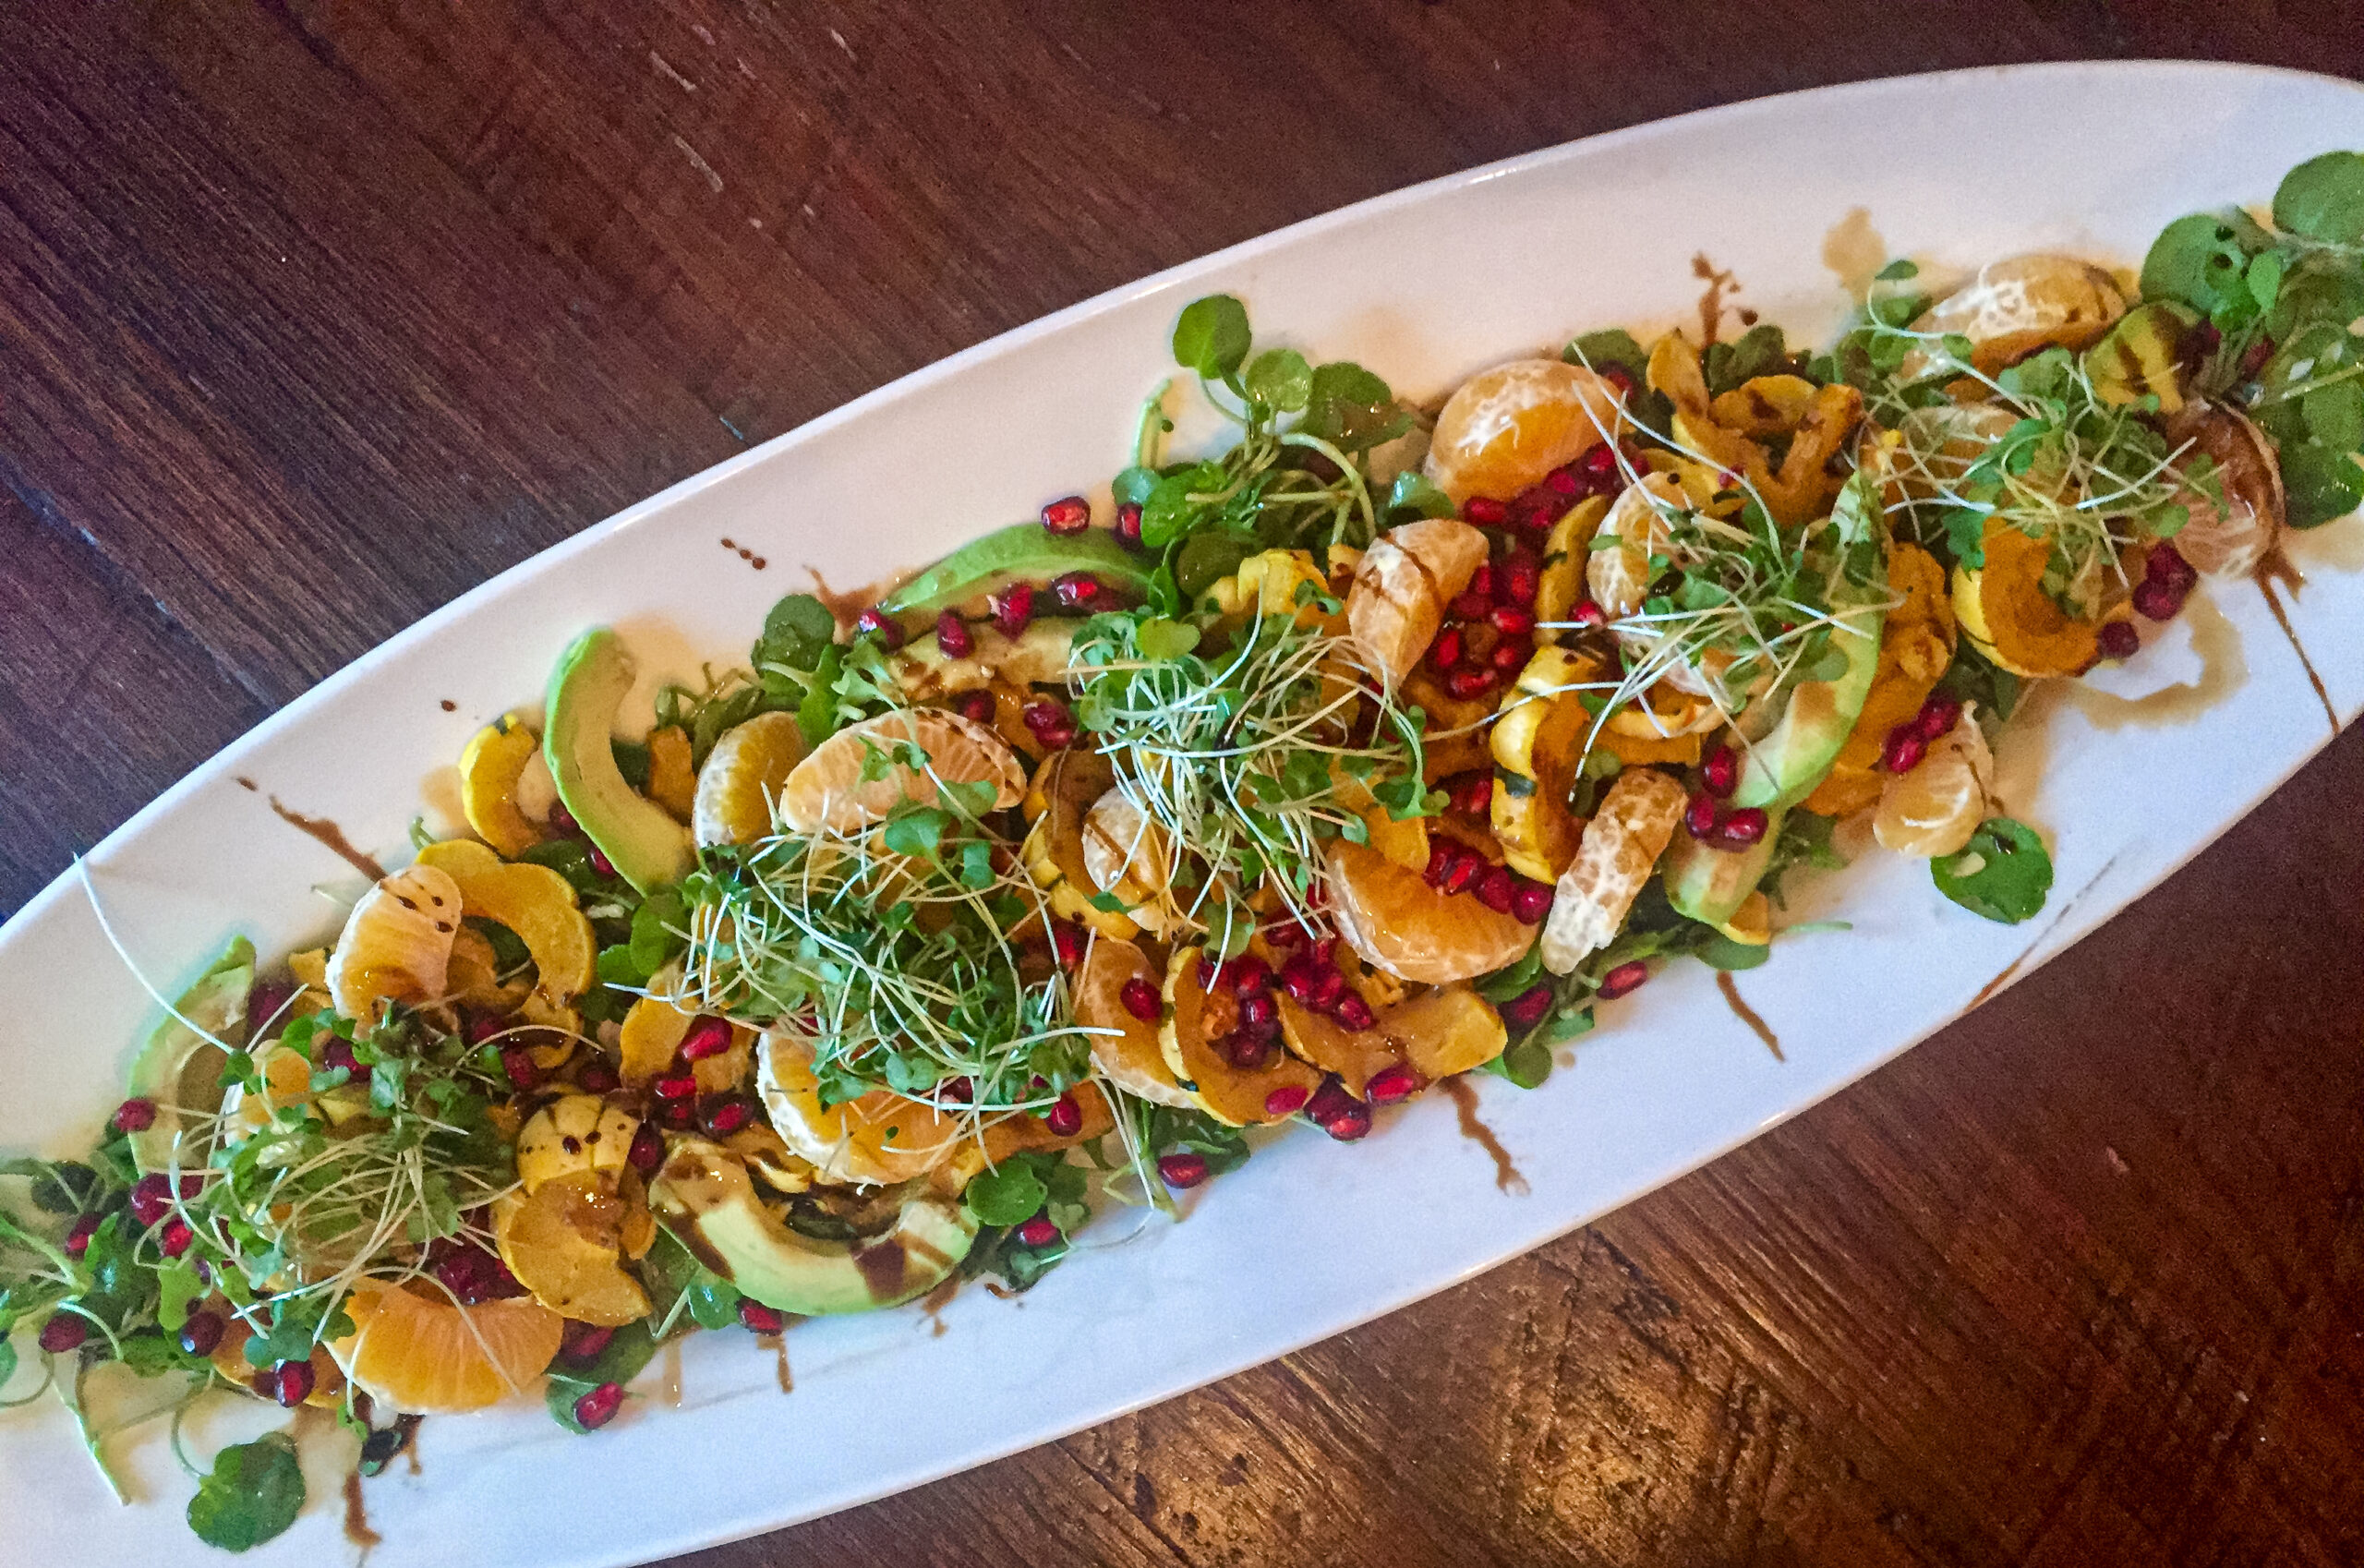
{"x":676,"y":1086}
{"x":1481,"y":582}
{"x":1129,"y":525}
{"x":151,"y":1200}
{"x":877,"y":625}
{"x":727,"y":1114}
{"x":1560,"y":482}
{"x":1077,"y":590}
{"x":952,"y":636}
{"x":1510,"y":621}
{"x":1531,"y":902}
{"x":1508,"y":658}
{"x":1353,"y":1013}
{"x":2167,"y":565}
{"x":1466,"y":870}
{"x":1247,"y":1051}
{"x":1039,"y":1232}
{"x":1701,"y":816}
{"x":2258,"y":353}
{"x":977,"y":707}
{"x":598,"y":1408}
{"x":1625,"y":979}
{"x":265,"y":1003}
{"x":1141,"y":1000}
{"x":1284,"y":1101}
{"x":1180,"y":1171}
{"x":1050,"y":722}
{"x":1349,"y":1123}
{"x":1722,"y":772}
{"x":1389,"y":1084}
{"x":1328,"y":987}
{"x":1301,"y":976}
{"x":2155,"y":600}
{"x":1069,"y":514}
{"x":2119,"y":639}
{"x":176,"y":1239}
{"x":1467,"y":684}
{"x":1472,"y":792}
{"x":1446,"y":651}
{"x":647,"y":1150}
{"x":77,"y":1238}
{"x":1285,"y":937}
{"x":1619,"y":377}
{"x":676,"y":1116}
{"x":1744,"y":828}
{"x":598,"y":858}
{"x":291,"y":1382}
{"x":517,"y":1064}
{"x":1937,"y":716}
{"x":1527,"y":1009}
{"x":1484,"y":511}
{"x":1587,"y":613}
{"x":1329,"y":1099}
{"x":1498,"y":889}
{"x":1902,"y":751}
{"x":1469,"y":607}
{"x":1066,"y":941}
{"x":1257,"y":1010}
{"x":191,"y":1185}
{"x":1601,"y":462}
{"x":582,"y":1342}
{"x":339,"y":1053}
{"x":1247,"y":973}
{"x":707,"y":1036}
{"x":201,"y":1332}
{"x":761,"y":1318}
{"x":135,"y":1115}
{"x":595,"y":1076}
{"x":480,"y":1027}
{"x":63,"y":1333}
{"x":959,"y":1091}
{"x":1521,"y":575}
{"x":1013,"y":607}
{"x":1065,"y":1118}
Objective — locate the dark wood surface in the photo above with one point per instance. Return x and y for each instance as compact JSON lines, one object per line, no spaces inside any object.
{"x":315,"y":313}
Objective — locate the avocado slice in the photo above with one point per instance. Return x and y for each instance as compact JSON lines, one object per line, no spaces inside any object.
{"x":1023,"y":552}
{"x":1709,"y":884}
{"x":2142,"y":355}
{"x":705,"y":1198}
{"x":648,"y":848}
{"x":1783,"y":767}
{"x":179,"y":1071}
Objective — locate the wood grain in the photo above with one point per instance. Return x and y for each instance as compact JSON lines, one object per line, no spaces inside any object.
{"x":315,"y":313}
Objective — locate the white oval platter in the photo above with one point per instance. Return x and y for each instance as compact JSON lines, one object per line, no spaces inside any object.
{"x":1424,"y":286}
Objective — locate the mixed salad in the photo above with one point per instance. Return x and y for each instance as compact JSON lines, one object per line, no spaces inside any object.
{"x":1382,"y":747}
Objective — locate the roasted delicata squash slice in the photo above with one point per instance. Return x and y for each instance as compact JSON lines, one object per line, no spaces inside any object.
{"x":574,"y":1135}
{"x":1802,"y":487}
{"x":1036,"y":656}
{"x":2007,"y":617}
{"x":1560,"y":587}
{"x":533,"y":901}
{"x":1272,"y":582}
{"x":492,"y":772}
{"x":1538,"y":746}
{"x":1065,"y":787}
{"x":564,"y":1242}
{"x":1194,"y":1037}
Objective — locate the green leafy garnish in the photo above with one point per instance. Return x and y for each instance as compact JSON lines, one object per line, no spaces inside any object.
{"x":253,"y":1493}
{"x":619,"y":1361}
{"x":2002,"y":873}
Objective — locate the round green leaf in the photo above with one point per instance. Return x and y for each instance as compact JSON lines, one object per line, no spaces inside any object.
{"x":2323,"y":483}
{"x":1280,"y":380}
{"x":1211,"y":336}
{"x":2324,"y":198}
{"x":2002,"y":873}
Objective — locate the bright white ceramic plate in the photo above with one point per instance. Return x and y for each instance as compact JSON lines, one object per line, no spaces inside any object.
{"x":1425,"y":287}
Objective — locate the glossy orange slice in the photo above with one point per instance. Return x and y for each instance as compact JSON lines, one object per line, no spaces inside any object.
{"x":428,"y":1356}
{"x":828,"y":789}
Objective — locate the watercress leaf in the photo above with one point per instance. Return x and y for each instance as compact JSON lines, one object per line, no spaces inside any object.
{"x":1719,"y":951}
{"x":1010,"y":1195}
{"x":253,"y":1493}
{"x":1280,"y":380}
{"x":2323,"y":483}
{"x":1211,"y":336}
{"x":1173,"y":508}
{"x":2004,"y":873}
{"x":2335,"y":414}
{"x":1613,"y":345}
{"x":2264,"y":278}
{"x":919,"y":831}
{"x":2324,"y":198}
{"x":1760,"y":350}
{"x":1525,"y":1062}
{"x":1351,"y":408}
{"x":795,"y":632}
{"x":1413,"y":496}
{"x":632,"y":761}
{"x":1205,"y":559}
{"x":817,"y":714}
{"x":1896,"y":271}
{"x":2192,"y":261}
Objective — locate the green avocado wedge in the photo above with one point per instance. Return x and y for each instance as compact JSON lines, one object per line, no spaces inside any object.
{"x":1024,"y":552}
{"x":648,"y":848}
{"x":179,"y":1071}
{"x":1709,"y":884}
{"x":706,"y":1199}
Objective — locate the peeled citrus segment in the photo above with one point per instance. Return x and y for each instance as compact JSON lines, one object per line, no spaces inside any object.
{"x":1397,"y":601}
{"x":495,"y":760}
{"x":1505,"y":429}
{"x":876,"y":1139}
{"x":743,"y":776}
{"x":425,"y":1355}
{"x":1390,"y":915}
{"x":564,"y":1242}
{"x":2019,"y":305}
{"x":1621,"y":845}
{"x":828,"y":790}
{"x":1619,"y":576}
{"x":396,"y":946}
{"x":1063,"y":789}
{"x":1934,"y":808}
{"x":1128,"y":1058}
{"x":1445,"y":1031}
{"x":1129,"y":855}
{"x":2228,"y":540}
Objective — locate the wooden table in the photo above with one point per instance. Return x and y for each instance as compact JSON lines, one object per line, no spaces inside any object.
{"x":315,"y":313}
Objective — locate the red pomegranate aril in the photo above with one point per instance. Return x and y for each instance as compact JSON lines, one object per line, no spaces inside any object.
{"x":1078,"y":590}
{"x":977,"y":707}
{"x":1349,"y":1123}
{"x":292,"y":1382}
{"x":958,"y":1090}
{"x":517,"y":1064}
{"x":1936,"y":717}
{"x":78,"y":1236}
{"x":647,"y":1150}
{"x":1904,"y":749}
{"x":339,"y":1053}
{"x":676,"y":1116}
{"x":1512,"y":621}
{"x":270,"y":998}
{"x":1180,"y":1171}
{"x":1619,"y":377}
{"x":1521,"y":575}
{"x":2119,"y":639}
{"x":63,"y":1331}
{"x":1257,"y":1009}
{"x":1129,"y":525}
{"x":1066,"y":941}
{"x":952,"y":636}
{"x":2254,"y":358}
{"x":1446,"y":651}
{"x":725,"y":1113}
{"x":708,"y":1036}
{"x":761,"y":1318}
{"x":1498,"y":889}
{"x":1285,"y":937}
{"x":595,"y":1076}
{"x":1247,"y":973}
{"x":1601,"y":462}
{"x":1587,"y":613}
{"x":1069,"y":514}
{"x":1286,"y":1101}
{"x":1141,"y":1000}
{"x":1389,"y":1085}
{"x":1443,"y":855}
{"x":1469,"y":684}
{"x":1013,"y":607}
{"x":1527,"y":1009}
{"x":1531,"y":902}
{"x":1471,"y":794}
{"x":877,"y":625}
{"x":152,"y":1199}
{"x":1247,"y":1050}
{"x":598,"y":1408}
{"x":1508,"y":658}
{"x":1701,"y":816}
{"x":1623,"y":980}
{"x":600,"y":860}
{"x":1466,"y":870}
{"x":1065,"y":1118}
{"x":2155,"y":600}
{"x":1329,"y":1099}
{"x":1744,"y":828}
{"x":676,"y":1086}
{"x":1481,"y":582}
{"x":135,"y":1115}
{"x":1721,"y":772}
{"x":1485,"y":511}
{"x":1038,"y":1231}
{"x":1560,"y":482}
{"x":176,"y":1239}
{"x":581,"y":1342}
{"x":201,"y":1332}
{"x":1049,"y":722}
{"x":1328,"y":987}
{"x":1469,"y":607}
{"x":2167,"y":565}
{"x":1354,"y":1013}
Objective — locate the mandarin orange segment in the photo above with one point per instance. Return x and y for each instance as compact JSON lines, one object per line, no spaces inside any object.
{"x":564,"y":1242}
{"x":1390,"y":915}
{"x":1127,"y":1055}
{"x":428,"y":1355}
{"x":828,"y":789}
{"x":1505,"y":429}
